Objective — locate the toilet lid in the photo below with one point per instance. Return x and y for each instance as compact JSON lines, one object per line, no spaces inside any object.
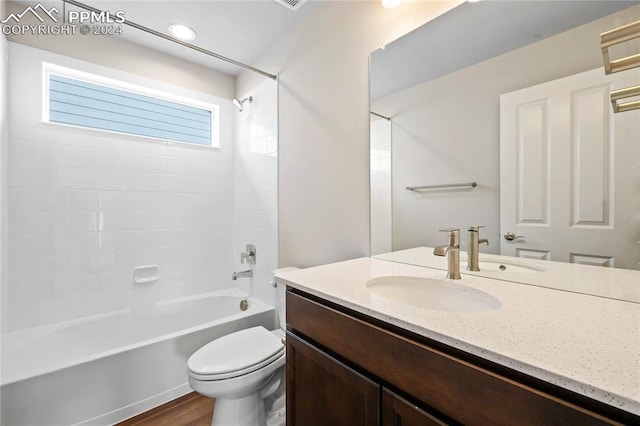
{"x":236,"y":352}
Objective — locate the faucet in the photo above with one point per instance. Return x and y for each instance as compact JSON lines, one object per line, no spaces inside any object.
{"x":242,"y":274}
{"x":474,"y":243}
{"x":452,"y":251}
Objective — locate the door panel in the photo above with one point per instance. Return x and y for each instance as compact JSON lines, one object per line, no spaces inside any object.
{"x":591,"y":160}
{"x":533,"y":163}
{"x":568,"y":172}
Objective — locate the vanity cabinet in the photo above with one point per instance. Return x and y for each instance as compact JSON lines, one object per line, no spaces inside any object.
{"x":348,"y":369}
{"x":326,"y":391}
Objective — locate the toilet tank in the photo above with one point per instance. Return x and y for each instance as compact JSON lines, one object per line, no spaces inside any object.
{"x":280,"y":297}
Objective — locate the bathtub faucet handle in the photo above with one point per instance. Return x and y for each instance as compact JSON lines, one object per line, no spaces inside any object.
{"x":249,"y":255}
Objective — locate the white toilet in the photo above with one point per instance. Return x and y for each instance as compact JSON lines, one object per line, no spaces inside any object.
{"x":243,"y":371}
{"x":239,"y":370}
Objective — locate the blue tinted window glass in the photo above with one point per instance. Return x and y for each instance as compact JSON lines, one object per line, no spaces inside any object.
{"x":90,"y":105}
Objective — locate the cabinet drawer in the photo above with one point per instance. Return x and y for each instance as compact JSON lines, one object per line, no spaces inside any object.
{"x":459,"y":389}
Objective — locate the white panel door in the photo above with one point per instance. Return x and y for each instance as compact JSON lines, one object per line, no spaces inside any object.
{"x":570,"y":172}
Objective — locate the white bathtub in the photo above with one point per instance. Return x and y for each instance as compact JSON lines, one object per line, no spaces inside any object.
{"x":108,"y":368}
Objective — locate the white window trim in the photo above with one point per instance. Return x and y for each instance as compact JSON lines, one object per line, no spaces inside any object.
{"x":49,"y":69}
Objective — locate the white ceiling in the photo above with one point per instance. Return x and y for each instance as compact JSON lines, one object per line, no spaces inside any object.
{"x":239,"y":29}
{"x":474,"y":32}
{"x":244,"y":29}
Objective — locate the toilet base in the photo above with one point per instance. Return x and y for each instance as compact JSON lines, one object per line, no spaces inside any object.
{"x":250,"y":410}
{"x":247,"y":411}
{"x":276,"y":407}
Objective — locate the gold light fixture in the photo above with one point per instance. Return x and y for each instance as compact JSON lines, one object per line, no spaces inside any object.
{"x":617,"y":36}
{"x":629,"y":92}
{"x":611,"y":38}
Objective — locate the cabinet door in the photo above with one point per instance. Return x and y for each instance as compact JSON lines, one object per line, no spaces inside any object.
{"x":397,"y":411}
{"x":322,"y":391}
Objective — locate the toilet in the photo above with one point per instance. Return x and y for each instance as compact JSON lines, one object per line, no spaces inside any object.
{"x":243,"y":371}
{"x":239,"y":370}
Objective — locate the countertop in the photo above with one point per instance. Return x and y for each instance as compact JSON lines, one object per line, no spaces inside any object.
{"x":614,"y":283}
{"x":584,"y":343}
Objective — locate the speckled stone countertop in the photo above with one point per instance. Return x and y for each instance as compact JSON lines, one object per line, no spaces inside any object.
{"x":584,"y":343}
{"x":614,"y":283}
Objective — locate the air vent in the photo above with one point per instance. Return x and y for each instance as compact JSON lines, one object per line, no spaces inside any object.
{"x":291,"y":4}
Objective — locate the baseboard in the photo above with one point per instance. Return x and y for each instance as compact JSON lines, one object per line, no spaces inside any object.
{"x":136,"y":408}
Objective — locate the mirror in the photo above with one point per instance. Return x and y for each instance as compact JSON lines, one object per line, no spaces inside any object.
{"x":439,"y":96}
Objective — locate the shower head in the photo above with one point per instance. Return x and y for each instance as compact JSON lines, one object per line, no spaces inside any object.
{"x":240,"y":104}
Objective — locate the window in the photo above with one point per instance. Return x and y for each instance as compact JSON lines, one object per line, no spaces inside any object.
{"x":99,"y":105}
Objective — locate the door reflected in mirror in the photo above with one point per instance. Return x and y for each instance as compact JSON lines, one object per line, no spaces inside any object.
{"x":511,"y":95}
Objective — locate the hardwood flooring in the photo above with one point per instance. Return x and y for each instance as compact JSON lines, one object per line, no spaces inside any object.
{"x":191,"y":409}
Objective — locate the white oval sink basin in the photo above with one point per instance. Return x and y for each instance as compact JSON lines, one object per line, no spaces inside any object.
{"x":497,"y":266}
{"x":428,"y":293}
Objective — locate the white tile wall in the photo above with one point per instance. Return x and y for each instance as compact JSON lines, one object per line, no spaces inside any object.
{"x":256,"y":185}
{"x":86,"y":207}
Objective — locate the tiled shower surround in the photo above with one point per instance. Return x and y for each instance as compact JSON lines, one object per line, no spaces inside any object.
{"x":85,"y":207}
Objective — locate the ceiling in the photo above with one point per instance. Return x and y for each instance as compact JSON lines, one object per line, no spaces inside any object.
{"x":244,"y":29}
{"x":474,"y":32}
{"x":238,"y":29}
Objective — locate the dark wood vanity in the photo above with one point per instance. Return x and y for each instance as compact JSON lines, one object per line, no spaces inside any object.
{"x":348,"y":369}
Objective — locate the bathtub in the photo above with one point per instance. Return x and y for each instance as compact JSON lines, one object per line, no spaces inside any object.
{"x":105,"y":369}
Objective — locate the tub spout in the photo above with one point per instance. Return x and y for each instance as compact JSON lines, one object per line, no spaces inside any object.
{"x":242,"y":274}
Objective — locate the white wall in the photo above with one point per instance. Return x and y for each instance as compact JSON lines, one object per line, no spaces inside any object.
{"x":443,"y":133}
{"x":115,"y":52}
{"x":448,"y":131}
{"x":3,"y":167}
{"x":4,"y":86}
{"x":255,"y":189}
{"x":86,"y":207}
{"x":324,"y":124}
{"x":381,"y":195}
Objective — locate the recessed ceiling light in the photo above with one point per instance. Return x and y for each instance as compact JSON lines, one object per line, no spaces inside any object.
{"x":182,"y":32}
{"x":390,"y":4}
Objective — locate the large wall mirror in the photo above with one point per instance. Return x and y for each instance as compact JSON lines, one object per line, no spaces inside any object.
{"x":512,"y":97}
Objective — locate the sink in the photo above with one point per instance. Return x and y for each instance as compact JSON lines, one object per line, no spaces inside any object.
{"x":433,"y":294}
{"x":497,"y":266}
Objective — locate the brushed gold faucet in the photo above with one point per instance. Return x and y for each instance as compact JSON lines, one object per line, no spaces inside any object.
{"x":474,"y":248}
{"x":452,"y":251}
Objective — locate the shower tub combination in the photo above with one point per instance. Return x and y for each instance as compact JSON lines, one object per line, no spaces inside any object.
{"x":108,"y":368}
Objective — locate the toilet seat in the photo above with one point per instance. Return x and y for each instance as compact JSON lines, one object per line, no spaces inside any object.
{"x":235,"y":354}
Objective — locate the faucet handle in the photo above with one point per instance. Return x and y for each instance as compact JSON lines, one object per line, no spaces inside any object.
{"x":476,"y":228}
{"x":451,"y":231}
{"x":249,"y":255}
{"x":454,"y":236}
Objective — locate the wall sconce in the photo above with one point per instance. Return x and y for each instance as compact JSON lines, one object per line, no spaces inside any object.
{"x":611,"y":38}
{"x":617,"y":36}
{"x":629,"y":92}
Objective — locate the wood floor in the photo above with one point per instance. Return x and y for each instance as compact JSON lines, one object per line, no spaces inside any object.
{"x":191,"y":409}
